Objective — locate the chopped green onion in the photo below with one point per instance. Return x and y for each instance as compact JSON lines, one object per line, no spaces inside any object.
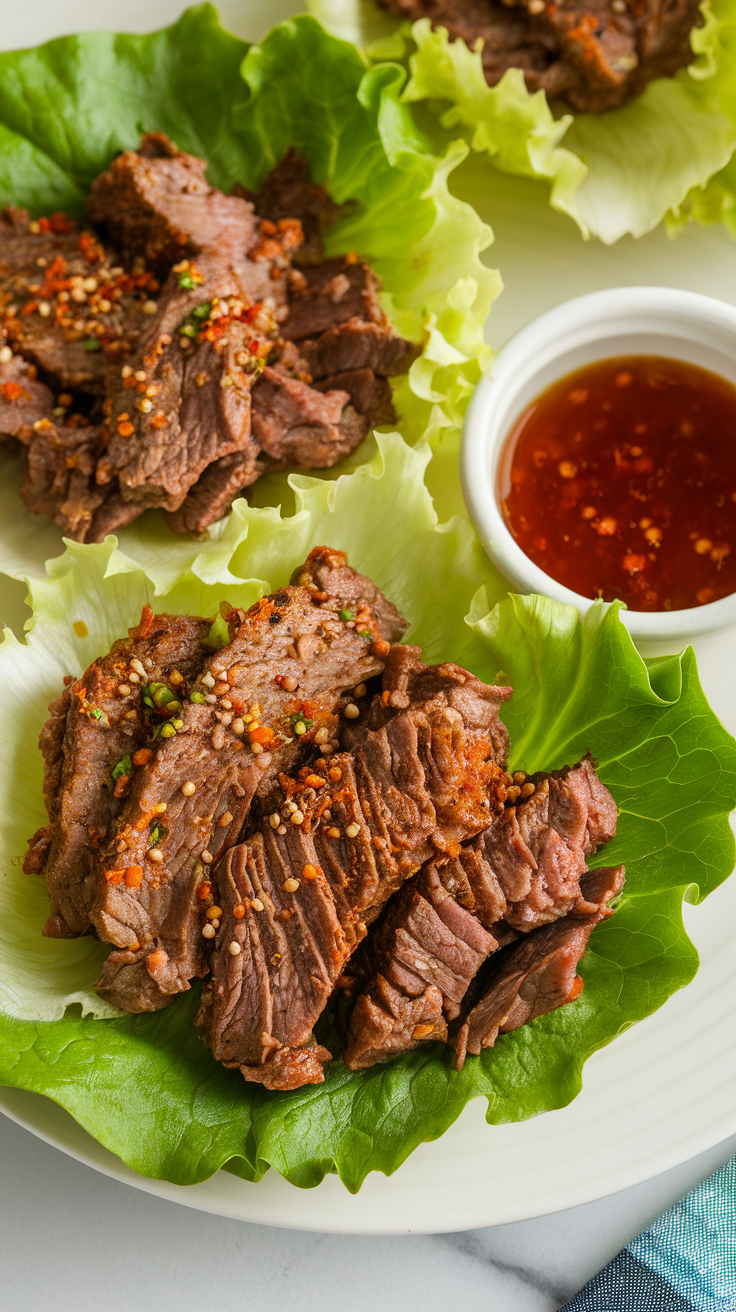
{"x":92,"y":344}
{"x":346,"y":615}
{"x":201,"y":311}
{"x":157,"y":833}
{"x":196,"y":697}
{"x":123,"y":767}
{"x":168,"y":731}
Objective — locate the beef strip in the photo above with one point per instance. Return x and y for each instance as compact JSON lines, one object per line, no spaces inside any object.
{"x":287,"y":193}
{"x":59,"y":476}
{"x":296,"y":425}
{"x":370,"y":395}
{"x":297,"y":898}
{"x":358,"y":345}
{"x":595,"y":56}
{"x":422,"y":961}
{"x":49,"y":281}
{"x":538,"y":974}
{"x":215,"y":491}
{"x":526,"y":869}
{"x":24,"y":400}
{"x":329,"y":294}
{"x":97,"y":723}
{"x":521,"y":872}
{"x":276,"y":686}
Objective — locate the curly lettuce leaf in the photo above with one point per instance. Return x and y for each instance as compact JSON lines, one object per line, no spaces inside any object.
{"x":145,"y":1086}
{"x":67,"y":107}
{"x":614,"y":173}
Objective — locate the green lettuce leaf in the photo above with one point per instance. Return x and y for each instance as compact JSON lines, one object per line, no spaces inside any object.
{"x":67,"y":107}
{"x":145,"y":1086}
{"x":614,"y":173}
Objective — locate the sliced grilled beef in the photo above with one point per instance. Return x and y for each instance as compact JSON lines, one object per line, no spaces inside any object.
{"x":358,"y":345}
{"x":370,"y":396}
{"x":423,"y":958}
{"x":521,"y":872}
{"x":24,"y":401}
{"x":89,"y":744}
{"x":156,"y":203}
{"x":526,"y":870}
{"x":595,"y":56}
{"x":215,"y":491}
{"x":59,"y":476}
{"x":64,"y":305}
{"x":296,"y":425}
{"x":539,"y":973}
{"x":260,"y":702}
{"x":287,"y":193}
{"x":421,"y":778}
{"x":328,"y":294}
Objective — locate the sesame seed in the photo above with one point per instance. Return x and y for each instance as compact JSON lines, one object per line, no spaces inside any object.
{"x":206,"y":857}
{"x":140,"y":375}
{"x":189,"y":789}
{"x":225,"y":704}
{"x":256,"y":748}
{"x":138,"y":667}
{"x":105,"y":306}
{"x":145,"y":406}
{"x":149,"y":307}
{"x":227,"y":718}
{"x":155,"y":855}
{"x":234,"y":949}
{"x":256,"y":904}
{"x":322,"y":736}
{"x":291,"y":806}
{"x":333,"y":832}
{"x":360,"y":691}
{"x":274,"y":820}
{"x":208,"y":681}
{"x":291,"y":885}
{"x":6,"y":355}
{"x":210,"y":698}
{"x":327,"y":749}
{"x":351,"y":711}
{"x":290,"y":684}
{"x":281,"y":830}
{"x":44,"y":309}
{"x":297,"y":818}
{"x":352,"y":831}
{"x":527,"y":790}
{"x":214,"y":913}
{"x":208,"y":931}
{"x":124,"y":689}
{"x":225,"y":819}
{"x":90,"y":284}
{"x":237,"y":726}
{"x":161,"y":807}
{"x":134,"y":678}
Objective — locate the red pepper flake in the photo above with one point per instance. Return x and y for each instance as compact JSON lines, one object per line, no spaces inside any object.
{"x":126,"y":429}
{"x":133,"y":876}
{"x":114,"y":876}
{"x":142,"y":756}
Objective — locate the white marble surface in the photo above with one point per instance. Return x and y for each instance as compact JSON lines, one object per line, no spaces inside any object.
{"x":73,"y":1239}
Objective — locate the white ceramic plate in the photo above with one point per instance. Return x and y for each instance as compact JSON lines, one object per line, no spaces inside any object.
{"x":664,"y":1090}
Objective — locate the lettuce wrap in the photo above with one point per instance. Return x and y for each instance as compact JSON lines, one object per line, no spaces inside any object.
{"x":67,"y":107}
{"x":145,"y":1086}
{"x":667,"y":154}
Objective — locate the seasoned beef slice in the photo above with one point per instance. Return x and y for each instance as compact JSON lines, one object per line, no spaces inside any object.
{"x":24,"y":400}
{"x":596,"y":56}
{"x":99,"y":722}
{"x":259,"y":703}
{"x":294,"y":424}
{"x":521,"y":872}
{"x":356,"y":344}
{"x":539,"y":973}
{"x":328,"y":294}
{"x":297,"y":898}
{"x":50,"y":282}
{"x":287,"y":193}
{"x":370,"y":395}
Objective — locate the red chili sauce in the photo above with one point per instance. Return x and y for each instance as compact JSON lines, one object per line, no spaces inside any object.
{"x":620,"y":481}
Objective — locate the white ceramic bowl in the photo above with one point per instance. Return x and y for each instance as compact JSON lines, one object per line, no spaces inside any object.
{"x":622,"y":321}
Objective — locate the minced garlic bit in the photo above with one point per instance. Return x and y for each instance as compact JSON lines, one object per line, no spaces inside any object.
{"x":351,"y":711}
{"x":291,"y":885}
{"x":208,"y":931}
{"x":154,"y":854}
{"x":256,"y":748}
{"x":234,"y":949}
{"x":274,"y":820}
{"x":189,"y":788}
{"x":256,"y":904}
{"x":322,"y":736}
{"x":206,"y":857}
{"x":297,"y":817}
{"x":124,"y":689}
{"x":352,"y":831}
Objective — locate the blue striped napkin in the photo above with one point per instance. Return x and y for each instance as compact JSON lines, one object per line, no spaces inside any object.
{"x":685,"y":1262}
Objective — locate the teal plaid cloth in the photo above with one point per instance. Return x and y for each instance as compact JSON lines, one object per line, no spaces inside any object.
{"x":685,"y":1262}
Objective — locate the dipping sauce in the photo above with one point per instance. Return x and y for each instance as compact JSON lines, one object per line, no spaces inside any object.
{"x":620,"y":482}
